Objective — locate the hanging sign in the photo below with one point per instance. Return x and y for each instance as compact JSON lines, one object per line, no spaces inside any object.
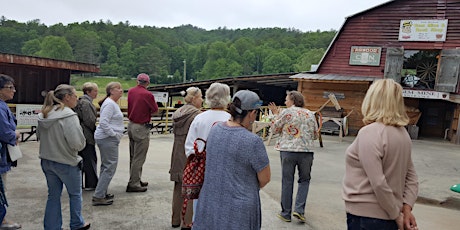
{"x":365,"y":55}
{"x":423,"y":30}
{"x":425,"y":94}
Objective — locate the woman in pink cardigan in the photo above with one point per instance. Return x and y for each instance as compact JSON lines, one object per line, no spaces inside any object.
{"x":380,"y":184}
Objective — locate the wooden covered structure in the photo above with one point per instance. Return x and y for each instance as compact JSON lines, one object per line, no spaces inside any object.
{"x":269,"y":87}
{"x":32,"y":75}
{"x":415,"y":42}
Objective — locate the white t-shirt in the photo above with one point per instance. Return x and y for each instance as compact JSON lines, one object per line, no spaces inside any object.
{"x":201,"y":126}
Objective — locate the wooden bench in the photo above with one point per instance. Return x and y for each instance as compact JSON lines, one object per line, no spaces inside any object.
{"x":29,"y":133}
{"x":162,"y":122}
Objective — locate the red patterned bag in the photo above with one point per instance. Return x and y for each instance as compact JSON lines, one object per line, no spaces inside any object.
{"x":193,"y":176}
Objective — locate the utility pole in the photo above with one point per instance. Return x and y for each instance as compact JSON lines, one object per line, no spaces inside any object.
{"x":185,"y":71}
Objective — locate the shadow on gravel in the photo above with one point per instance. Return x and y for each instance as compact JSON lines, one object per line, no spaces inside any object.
{"x":450,"y":202}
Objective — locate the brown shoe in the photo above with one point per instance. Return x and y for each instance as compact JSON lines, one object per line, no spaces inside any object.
{"x":144,"y":183}
{"x":101,"y":201}
{"x":136,"y":189}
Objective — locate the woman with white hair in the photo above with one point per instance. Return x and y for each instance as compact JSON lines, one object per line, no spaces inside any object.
{"x":217,"y":98}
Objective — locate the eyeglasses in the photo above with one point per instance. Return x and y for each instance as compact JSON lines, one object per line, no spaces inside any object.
{"x":73,"y":95}
{"x":10,"y":87}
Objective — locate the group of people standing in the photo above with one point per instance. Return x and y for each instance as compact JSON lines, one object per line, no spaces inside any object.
{"x":68,"y":134}
{"x":379,"y":187}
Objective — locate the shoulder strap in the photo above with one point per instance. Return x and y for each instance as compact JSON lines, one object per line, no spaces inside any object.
{"x":195,"y":146}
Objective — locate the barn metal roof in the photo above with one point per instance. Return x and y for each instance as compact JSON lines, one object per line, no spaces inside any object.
{"x":250,"y":81}
{"x":332,"y":77}
{"x":74,"y":67}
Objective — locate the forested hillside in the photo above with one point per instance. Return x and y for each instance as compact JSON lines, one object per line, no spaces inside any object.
{"x":123,"y":50}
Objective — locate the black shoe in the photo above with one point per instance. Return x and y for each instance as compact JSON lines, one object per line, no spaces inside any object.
{"x":185,"y":228}
{"x":175,"y":225}
{"x":85,"y":227}
{"x":144,"y":184}
{"x":136,"y":189}
{"x":109,"y":196}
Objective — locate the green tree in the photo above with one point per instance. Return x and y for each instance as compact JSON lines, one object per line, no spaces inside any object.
{"x":9,"y":40}
{"x":85,"y":43}
{"x":277,"y":63}
{"x":152,"y":60}
{"x":56,"y":48}
{"x":249,"y":63}
{"x":127,"y":60}
{"x":111,"y":66}
{"x":31,"y":47}
{"x":307,"y":59}
{"x":243,"y":44}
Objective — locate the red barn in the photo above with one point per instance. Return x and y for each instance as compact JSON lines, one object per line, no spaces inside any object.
{"x":415,"y":42}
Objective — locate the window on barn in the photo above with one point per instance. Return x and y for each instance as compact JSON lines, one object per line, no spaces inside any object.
{"x":419,"y":68}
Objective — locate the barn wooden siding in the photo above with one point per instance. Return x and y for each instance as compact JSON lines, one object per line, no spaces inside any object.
{"x":379,"y":26}
{"x":32,"y":75}
{"x":354,"y":92}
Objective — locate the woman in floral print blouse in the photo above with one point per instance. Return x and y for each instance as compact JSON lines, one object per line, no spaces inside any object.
{"x":298,"y":129}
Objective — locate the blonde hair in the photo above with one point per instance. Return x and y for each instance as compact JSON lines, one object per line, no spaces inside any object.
{"x":190,"y":93}
{"x":108,"y":88}
{"x":55,"y":97}
{"x":384,"y":103}
{"x":218,"y":96}
{"x":88,"y":87}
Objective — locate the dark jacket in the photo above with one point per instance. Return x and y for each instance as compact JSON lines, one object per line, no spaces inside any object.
{"x":87,"y":115}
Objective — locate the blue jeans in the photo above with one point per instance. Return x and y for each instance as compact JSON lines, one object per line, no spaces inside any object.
{"x":108,"y":148}
{"x":57,"y":175}
{"x":2,"y":212}
{"x":368,"y":223}
{"x":289,"y":161}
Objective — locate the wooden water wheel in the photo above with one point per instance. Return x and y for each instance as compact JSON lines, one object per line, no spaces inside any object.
{"x":427,"y":73}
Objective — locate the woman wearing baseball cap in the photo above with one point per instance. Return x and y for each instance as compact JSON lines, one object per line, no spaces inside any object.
{"x":235,"y":170}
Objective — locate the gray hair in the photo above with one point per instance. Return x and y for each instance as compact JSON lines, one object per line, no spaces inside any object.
{"x":218,"y":96}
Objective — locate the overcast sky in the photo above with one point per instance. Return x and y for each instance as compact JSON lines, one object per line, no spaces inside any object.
{"x":304,"y":15}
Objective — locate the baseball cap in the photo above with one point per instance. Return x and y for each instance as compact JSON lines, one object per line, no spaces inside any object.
{"x":143,"y":77}
{"x":249,"y":100}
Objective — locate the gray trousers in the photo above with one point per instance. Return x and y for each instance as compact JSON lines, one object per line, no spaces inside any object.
{"x":139,"y":140}
{"x":108,"y":148}
{"x":289,"y":161}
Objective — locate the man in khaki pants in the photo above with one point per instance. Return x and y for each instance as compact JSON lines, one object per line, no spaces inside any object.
{"x":141,"y":106}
